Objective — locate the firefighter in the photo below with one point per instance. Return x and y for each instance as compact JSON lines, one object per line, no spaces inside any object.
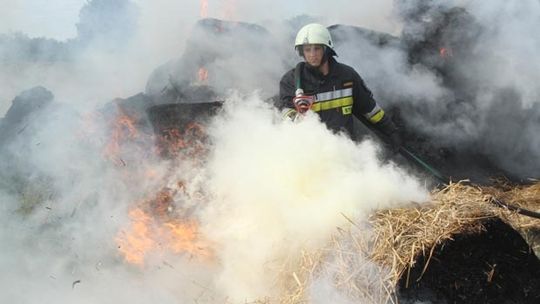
{"x":333,"y":90}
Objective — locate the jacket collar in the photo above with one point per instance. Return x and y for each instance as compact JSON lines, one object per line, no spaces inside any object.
{"x":314,"y":72}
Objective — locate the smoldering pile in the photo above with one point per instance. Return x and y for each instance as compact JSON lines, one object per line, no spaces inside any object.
{"x":391,"y":263}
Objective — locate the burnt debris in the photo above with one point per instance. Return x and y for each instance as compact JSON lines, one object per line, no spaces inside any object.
{"x":495,"y":266}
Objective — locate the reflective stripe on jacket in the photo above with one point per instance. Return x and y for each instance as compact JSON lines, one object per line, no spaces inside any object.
{"x":339,"y":94}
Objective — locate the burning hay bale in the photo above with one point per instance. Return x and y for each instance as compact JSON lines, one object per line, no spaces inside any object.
{"x":181,"y":126}
{"x":206,"y":62}
{"x":372,"y":260}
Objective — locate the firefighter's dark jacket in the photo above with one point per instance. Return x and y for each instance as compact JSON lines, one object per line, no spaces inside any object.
{"x":339,"y":95}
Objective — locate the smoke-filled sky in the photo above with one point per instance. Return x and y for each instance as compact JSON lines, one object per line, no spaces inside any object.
{"x":56,"y":18}
{"x":162,"y":27}
{"x":53,"y":19}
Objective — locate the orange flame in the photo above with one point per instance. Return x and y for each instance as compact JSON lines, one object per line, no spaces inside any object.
{"x":445,"y":52}
{"x":203,"y":75}
{"x":135,"y":245}
{"x":189,"y":142}
{"x":148,"y":235}
{"x":157,"y":228}
{"x":123,"y":129}
{"x":204,"y":8}
{"x":184,"y":238}
{"x":229,"y":10}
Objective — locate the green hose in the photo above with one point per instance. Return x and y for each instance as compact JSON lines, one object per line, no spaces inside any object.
{"x":445,"y":180}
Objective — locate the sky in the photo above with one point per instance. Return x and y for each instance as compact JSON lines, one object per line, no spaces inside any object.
{"x":56,"y":18}
{"x":163,"y":26}
{"x":40,"y":18}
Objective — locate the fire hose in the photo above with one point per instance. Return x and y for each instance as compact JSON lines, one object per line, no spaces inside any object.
{"x":303,"y":103}
{"x":445,"y":180}
{"x":407,"y":154}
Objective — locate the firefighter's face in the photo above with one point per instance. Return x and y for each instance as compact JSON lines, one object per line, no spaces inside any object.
{"x":313,"y":53}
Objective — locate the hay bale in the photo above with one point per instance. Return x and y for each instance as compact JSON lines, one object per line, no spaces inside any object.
{"x":366,"y":261}
{"x":527,"y":197}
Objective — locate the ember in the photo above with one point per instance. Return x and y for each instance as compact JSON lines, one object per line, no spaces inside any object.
{"x":148,"y":236}
{"x":123,"y":129}
{"x":203,"y":75}
{"x":204,"y":8}
{"x":164,"y":223}
{"x":180,"y":128}
{"x":135,"y":244}
{"x":445,"y":52}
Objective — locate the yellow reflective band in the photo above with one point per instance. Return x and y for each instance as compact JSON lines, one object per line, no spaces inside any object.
{"x":332,"y":104}
{"x":377,"y":117}
{"x":346,"y":110}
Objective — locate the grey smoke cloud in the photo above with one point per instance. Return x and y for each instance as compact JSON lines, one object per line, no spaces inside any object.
{"x":483,"y":97}
{"x":116,"y":46}
{"x":82,"y":200}
{"x":70,"y":235}
{"x":65,"y":248}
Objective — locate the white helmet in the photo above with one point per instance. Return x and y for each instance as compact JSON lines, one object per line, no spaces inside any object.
{"x":314,"y":33}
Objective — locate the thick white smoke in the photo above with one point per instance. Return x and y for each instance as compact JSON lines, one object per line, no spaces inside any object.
{"x":281,"y":188}
{"x":272,"y":189}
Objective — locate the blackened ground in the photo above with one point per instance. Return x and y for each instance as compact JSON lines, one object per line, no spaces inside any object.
{"x":496,"y":266}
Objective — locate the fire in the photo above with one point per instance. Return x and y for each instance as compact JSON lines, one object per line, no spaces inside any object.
{"x":161,"y":224}
{"x":126,"y":142}
{"x":229,"y":11}
{"x":135,"y":245}
{"x":190,"y":141}
{"x":162,"y":205}
{"x":184,"y":238}
{"x":158,"y":228}
{"x":203,"y":75}
{"x":123,"y":129}
{"x":445,"y":52}
{"x":149,"y":235}
{"x":204,"y":8}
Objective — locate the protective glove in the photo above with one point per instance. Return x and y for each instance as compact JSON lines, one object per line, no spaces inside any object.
{"x":392,"y":137}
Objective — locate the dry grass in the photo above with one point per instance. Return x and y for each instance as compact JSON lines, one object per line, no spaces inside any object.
{"x":366,"y":261}
{"x":527,"y":197}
